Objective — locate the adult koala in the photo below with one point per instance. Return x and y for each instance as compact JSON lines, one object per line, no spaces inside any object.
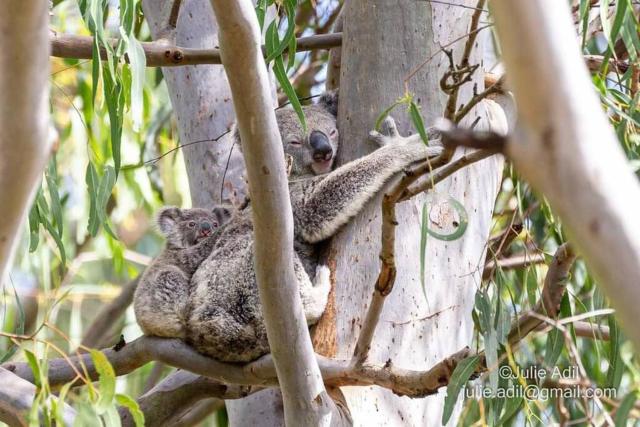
{"x":226,"y":320}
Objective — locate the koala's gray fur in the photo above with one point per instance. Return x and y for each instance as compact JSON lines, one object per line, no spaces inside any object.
{"x":226,"y":321}
{"x":162,"y":295}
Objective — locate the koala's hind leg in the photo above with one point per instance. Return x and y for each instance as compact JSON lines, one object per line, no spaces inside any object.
{"x":315,"y":295}
{"x":161,"y":302}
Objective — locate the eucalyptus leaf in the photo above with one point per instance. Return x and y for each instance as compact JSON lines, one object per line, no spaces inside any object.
{"x":459,"y":378}
{"x":132,"y":406}
{"x":106,"y":380}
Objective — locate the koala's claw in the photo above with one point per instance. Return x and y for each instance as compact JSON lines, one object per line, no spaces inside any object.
{"x":389,"y":127}
{"x":388,"y":134}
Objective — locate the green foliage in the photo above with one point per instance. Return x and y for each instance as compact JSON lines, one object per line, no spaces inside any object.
{"x":110,"y":119}
{"x":414,"y":114}
{"x":459,"y":378}
{"x":275,"y":48}
{"x":132,"y":406}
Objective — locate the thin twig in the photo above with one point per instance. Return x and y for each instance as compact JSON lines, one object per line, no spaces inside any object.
{"x":464,"y":66}
{"x":518,"y":261}
{"x":477,"y":97}
{"x":444,"y":172}
{"x":454,"y":136}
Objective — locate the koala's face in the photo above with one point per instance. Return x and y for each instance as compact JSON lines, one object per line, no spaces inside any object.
{"x":312,"y":152}
{"x":186,"y":227}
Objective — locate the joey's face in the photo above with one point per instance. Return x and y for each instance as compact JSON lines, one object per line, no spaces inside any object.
{"x":187,"y":227}
{"x":313,"y":152}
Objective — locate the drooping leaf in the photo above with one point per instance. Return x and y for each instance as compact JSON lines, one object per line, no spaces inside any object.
{"x":622,"y":414}
{"x":416,"y":118}
{"x":386,"y":112}
{"x":92,"y":181}
{"x":19,"y":329}
{"x":616,"y":365}
{"x":58,"y":413}
{"x":114,"y":97}
{"x":43,"y":208}
{"x":554,"y":346}
{"x":459,"y":378}
{"x":511,"y":407}
{"x":106,"y":381}
{"x":56,"y":208}
{"x":34,"y":364}
{"x":423,"y":247}
{"x":279,"y":46}
{"x":271,"y":41}
{"x":138,"y":63}
{"x":261,"y":10}
{"x":34,"y":227}
{"x":132,"y":406}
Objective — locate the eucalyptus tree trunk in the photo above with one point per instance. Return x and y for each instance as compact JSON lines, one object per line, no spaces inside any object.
{"x":417,"y":328}
{"x":24,"y":115}
{"x":201,"y":101}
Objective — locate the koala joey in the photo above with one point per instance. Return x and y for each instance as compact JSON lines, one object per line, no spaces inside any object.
{"x":225,"y":321}
{"x":162,"y":295}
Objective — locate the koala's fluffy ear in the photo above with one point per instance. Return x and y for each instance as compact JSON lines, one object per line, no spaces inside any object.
{"x":167,"y":218}
{"x":329,"y":101}
{"x":223,"y":213}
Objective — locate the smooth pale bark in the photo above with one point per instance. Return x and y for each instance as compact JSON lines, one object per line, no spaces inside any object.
{"x":201,"y":101}
{"x":16,"y":400}
{"x":24,"y":114}
{"x":566,"y":148}
{"x":381,"y":44}
{"x":304,"y":397}
{"x":414,"y":332}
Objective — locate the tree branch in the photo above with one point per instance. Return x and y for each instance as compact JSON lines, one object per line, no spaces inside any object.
{"x":166,"y":402}
{"x":566,"y":148}
{"x":427,"y":183}
{"x":305,"y":399}
{"x":24,"y":115}
{"x":136,"y":354}
{"x":16,"y":400}
{"x":163,"y":54}
{"x":554,"y":286}
{"x":198,"y":412}
{"x":517,"y":261}
{"x":461,"y":73}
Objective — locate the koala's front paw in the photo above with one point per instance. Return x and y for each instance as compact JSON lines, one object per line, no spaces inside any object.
{"x":389,"y":133}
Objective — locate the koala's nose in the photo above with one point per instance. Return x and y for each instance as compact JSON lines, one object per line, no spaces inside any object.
{"x":322,"y":149}
{"x":205,"y":227}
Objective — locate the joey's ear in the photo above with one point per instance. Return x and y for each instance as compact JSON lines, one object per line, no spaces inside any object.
{"x":167,"y":218}
{"x":329,"y":101}
{"x":223,"y":213}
